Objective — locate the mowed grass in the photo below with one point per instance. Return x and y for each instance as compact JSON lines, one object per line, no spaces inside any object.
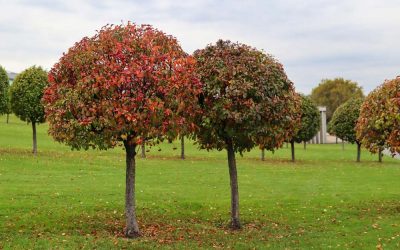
{"x":75,"y":199}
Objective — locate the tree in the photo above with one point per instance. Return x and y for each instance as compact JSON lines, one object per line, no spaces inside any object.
{"x":143,"y":147}
{"x":263,"y":154}
{"x":26,"y":94}
{"x":8,"y":111}
{"x":334,"y":92}
{"x":247,"y":100}
{"x":182,"y":137}
{"x":126,"y":83}
{"x":378,"y":126}
{"x":309,"y":124}
{"x":344,"y":120}
{"x":4,"y":100}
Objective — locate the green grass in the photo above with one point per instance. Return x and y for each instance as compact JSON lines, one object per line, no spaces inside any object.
{"x":75,"y":199}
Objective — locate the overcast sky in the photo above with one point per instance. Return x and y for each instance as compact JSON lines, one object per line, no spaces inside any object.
{"x":314,"y":39}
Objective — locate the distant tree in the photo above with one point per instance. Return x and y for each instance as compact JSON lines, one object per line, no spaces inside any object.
{"x":344,"y":120}
{"x":334,"y":92}
{"x":124,"y":84}
{"x":309,"y":124}
{"x":26,"y":94}
{"x":378,"y":126}
{"x":247,"y":100}
{"x":4,"y":86}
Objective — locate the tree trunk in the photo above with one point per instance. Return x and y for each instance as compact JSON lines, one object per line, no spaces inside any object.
{"x":292,"y":147}
{"x":34,"y":150}
{"x":305,"y":145}
{"x":8,"y":117}
{"x":263,"y":154}
{"x":380,"y":155}
{"x":132,"y":227}
{"x":235,"y":222}
{"x":358,"y":151}
{"x":143,"y":146}
{"x":336,"y":140}
{"x":182,"y":147}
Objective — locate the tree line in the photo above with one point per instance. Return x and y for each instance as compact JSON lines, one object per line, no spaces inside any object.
{"x":132,"y":85}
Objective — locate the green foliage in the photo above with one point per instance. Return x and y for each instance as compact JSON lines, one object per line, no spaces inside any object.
{"x":379,"y":124}
{"x":247,"y":98}
{"x":310,"y":121}
{"x":344,"y":120}
{"x":334,"y":92}
{"x":4,"y":86}
{"x":26,"y":94}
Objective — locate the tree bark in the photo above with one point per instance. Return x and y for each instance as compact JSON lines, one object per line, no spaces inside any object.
{"x":380,"y":155}
{"x":292,"y":148}
{"x":132,"y":227}
{"x":34,"y":149}
{"x":8,"y":117}
{"x":358,"y":151}
{"x":305,"y":145}
{"x":143,"y":146}
{"x":182,"y":147}
{"x":235,"y":222}
{"x":336,"y":140}
{"x":263,"y":154}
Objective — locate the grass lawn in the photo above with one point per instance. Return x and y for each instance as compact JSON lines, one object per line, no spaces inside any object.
{"x":75,"y":199}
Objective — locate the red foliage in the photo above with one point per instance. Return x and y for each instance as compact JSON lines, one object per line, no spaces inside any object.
{"x":378,"y":126}
{"x":246,"y":97}
{"x":125,"y":83}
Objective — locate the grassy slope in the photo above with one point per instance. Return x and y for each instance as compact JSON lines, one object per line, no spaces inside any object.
{"x":71,"y":199}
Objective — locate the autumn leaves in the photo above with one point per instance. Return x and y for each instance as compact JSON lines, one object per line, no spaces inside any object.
{"x":378,"y":126}
{"x":129,"y":84}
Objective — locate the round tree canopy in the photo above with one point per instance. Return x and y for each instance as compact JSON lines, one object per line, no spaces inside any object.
{"x":26,"y":94}
{"x":310,"y":120}
{"x":126,"y":83}
{"x":247,"y":98}
{"x":344,"y":120}
{"x":378,"y":126}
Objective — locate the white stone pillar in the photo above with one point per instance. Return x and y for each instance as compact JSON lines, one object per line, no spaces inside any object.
{"x":323,"y":129}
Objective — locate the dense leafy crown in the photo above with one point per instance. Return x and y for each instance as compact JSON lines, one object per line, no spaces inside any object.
{"x":378,"y":126}
{"x":334,"y":92}
{"x":247,"y":98}
{"x":344,"y":120}
{"x":3,"y":91}
{"x":127,"y":82}
{"x":310,"y":121}
{"x":26,"y":94}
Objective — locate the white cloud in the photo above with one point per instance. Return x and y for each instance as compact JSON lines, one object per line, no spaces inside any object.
{"x":355,"y":39}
